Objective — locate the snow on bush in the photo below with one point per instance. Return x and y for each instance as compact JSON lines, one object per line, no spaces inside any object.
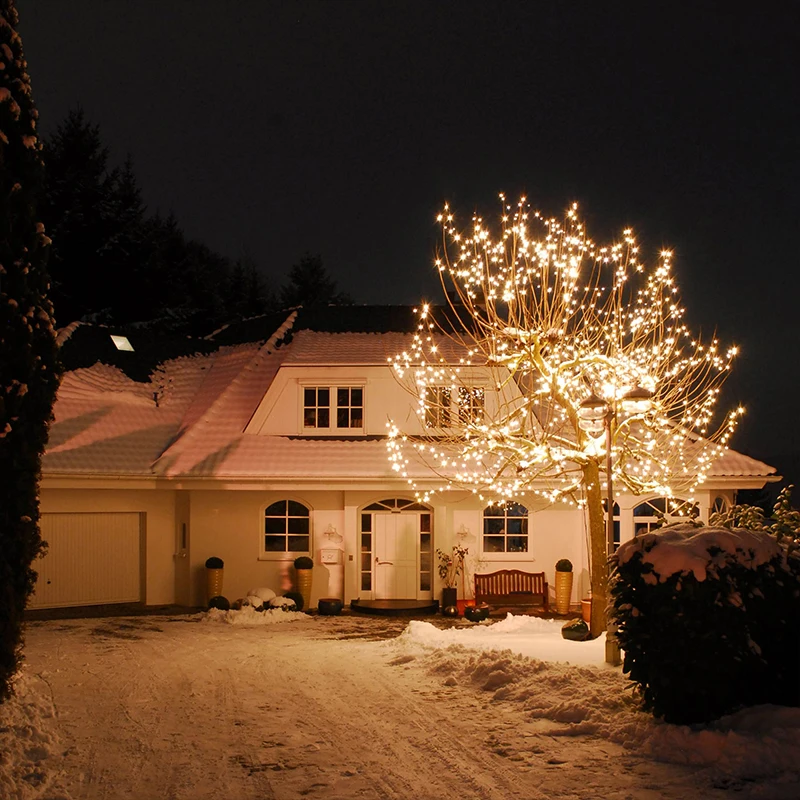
{"x":709,"y":620}
{"x":28,"y":743}
{"x":248,"y":616}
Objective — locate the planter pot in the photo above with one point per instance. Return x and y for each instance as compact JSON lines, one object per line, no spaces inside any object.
{"x":304,"y":577}
{"x":450,"y":599}
{"x":329,"y":606}
{"x":563,"y":591}
{"x":213,"y":582}
{"x":586,"y":609}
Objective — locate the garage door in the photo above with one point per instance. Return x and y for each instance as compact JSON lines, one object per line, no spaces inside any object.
{"x":91,"y":559}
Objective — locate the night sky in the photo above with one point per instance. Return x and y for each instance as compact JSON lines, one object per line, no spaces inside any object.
{"x":339,"y":128}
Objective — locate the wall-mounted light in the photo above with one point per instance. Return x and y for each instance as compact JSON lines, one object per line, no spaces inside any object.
{"x":332,"y":534}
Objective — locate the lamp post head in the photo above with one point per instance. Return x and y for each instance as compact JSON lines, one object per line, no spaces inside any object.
{"x":637,"y":400}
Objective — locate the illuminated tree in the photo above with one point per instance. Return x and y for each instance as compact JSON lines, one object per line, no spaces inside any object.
{"x":542,"y":329}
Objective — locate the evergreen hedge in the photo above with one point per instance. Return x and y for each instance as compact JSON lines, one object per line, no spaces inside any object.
{"x":28,"y":364}
{"x":709,"y":620}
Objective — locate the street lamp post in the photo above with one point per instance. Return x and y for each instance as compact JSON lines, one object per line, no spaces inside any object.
{"x":596,"y":415}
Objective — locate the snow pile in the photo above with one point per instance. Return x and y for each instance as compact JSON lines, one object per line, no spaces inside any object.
{"x":248,"y":616}
{"x":28,"y":744}
{"x":683,"y":548}
{"x":755,"y":744}
{"x":529,"y":636}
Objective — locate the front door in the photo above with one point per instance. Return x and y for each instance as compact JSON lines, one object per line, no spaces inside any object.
{"x":396,"y":551}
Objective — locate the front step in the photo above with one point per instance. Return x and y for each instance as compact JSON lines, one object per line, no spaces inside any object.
{"x":395,"y":608}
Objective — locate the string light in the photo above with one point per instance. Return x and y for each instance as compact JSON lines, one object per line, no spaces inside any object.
{"x":544,"y":316}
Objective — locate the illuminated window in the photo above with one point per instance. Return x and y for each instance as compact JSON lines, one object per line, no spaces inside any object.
{"x":652,"y":514}
{"x":505,"y":529}
{"x":470,"y":406}
{"x":287,"y":528}
{"x":437,"y":407}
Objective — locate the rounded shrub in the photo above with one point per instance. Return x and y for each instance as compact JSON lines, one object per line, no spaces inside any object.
{"x":214,"y":563}
{"x":220,"y":602}
{"x":303,"y":562}
{"x":708,"y":619}
{"x":298,"y":599}
{"x":563,"y":565}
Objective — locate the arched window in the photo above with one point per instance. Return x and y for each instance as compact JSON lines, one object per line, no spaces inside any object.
{"x":287,"y":528}
{"x":505,"y":529}
{"x":660,"y":511}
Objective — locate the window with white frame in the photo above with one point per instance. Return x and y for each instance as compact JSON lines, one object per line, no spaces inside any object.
{"x":505,"y":529}
{"x":331,"y":408}
{"x":349,"y":407}
{"x":659,"y":511}
{"x":316,"y":407}
{"x":470,"y":405}
{"x":287,"y":528}
{"x":437,"y":406}
{"x":617,"y":521}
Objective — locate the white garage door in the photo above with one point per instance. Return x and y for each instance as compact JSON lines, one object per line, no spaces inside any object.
{"x":91,"y":559}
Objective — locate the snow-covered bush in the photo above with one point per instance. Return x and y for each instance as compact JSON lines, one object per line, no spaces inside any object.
{"x":219,"y":602}
{"x":709,"y":619}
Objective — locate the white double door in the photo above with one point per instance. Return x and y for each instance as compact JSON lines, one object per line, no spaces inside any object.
{"x":396,"y":556}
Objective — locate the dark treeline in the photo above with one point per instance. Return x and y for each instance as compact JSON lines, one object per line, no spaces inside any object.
{"x":113,"y":262}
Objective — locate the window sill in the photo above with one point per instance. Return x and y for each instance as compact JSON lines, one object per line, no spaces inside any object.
{"x":287,"y":557}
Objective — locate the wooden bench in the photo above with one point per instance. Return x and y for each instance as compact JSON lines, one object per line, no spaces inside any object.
{"x":512,"y":587}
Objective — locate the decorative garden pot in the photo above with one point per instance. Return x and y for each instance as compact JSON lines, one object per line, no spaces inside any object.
{"x":329,"y":606}
{"x":586,"y":609}
{"x":477,"y":613}
{"x":563,"y":591}
{"x":450,"y":598}
{"x":304,"y":577}
{"x":213,"y":582}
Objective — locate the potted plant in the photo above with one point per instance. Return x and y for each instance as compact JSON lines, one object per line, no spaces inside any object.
{"x":303,"y":567}
{"x":214,"y":568}
{"x":563,"y":585}
{"x":451,"y":565}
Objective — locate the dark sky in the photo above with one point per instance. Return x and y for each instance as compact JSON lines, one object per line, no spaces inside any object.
{"x":339,"y":128}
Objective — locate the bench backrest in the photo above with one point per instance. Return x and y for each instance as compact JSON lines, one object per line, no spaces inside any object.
{"x":510,"y":581}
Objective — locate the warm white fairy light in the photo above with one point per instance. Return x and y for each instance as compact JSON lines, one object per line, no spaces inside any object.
{"x":540,"y":317}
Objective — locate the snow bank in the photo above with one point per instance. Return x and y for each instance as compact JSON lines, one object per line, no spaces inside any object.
{"x":528,"y":636}
{"x":681,"y":549}
{"x":28,"y":744}
{"x":249,"y":617}
{"x":755,"y":744}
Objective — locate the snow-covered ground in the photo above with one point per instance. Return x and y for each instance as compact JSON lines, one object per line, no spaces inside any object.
{"x":358,"y":707}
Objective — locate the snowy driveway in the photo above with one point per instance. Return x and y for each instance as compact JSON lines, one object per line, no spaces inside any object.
{"x":160,"y":707}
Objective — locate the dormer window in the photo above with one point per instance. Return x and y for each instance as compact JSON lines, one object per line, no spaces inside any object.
{"x":350,"y":407}
{"x":470,"y":405}
{"x":333,"y":409}
{"x":316,"y":407}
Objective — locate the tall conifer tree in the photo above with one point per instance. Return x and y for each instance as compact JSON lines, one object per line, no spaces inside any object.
{"x":28,"y":364}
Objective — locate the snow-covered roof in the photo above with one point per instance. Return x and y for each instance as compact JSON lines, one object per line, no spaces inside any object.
{"x":188,"y":418}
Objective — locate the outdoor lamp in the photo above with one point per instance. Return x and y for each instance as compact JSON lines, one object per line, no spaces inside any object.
{"x":592,"y":412}
{"x":637,"y":401}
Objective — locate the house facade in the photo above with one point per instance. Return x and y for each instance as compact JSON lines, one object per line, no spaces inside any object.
{"x":267,"y":441}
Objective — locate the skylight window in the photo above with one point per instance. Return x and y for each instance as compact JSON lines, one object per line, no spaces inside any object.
{"x":122,"y":343}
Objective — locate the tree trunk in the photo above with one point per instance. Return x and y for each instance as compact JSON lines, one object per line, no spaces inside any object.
{"x":598,"y":547}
